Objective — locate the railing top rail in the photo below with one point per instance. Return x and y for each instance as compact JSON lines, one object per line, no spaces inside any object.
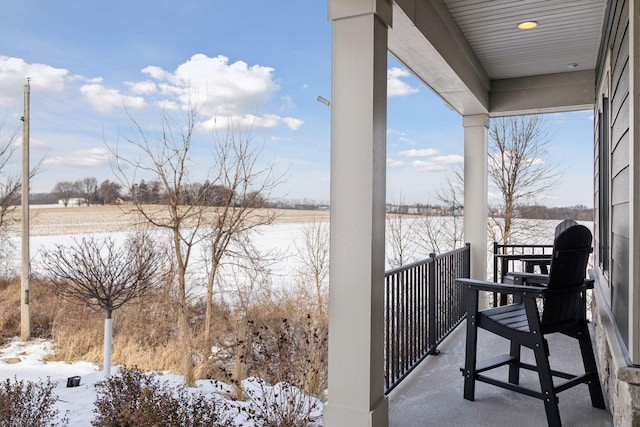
{"x":498,"y":245}
{"x":453,"y":252}
{"x":405,"y":267}
{"x":432,"y":257}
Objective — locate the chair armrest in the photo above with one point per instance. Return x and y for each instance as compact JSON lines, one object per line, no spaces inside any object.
{"x":504,"y":288}
{"x":521,"y":278}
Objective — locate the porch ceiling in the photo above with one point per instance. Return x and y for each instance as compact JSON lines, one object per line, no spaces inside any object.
{"x":474,"y":56}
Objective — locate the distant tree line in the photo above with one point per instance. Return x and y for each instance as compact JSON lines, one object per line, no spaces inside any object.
{"x":89,"y":192}
{"x":578,"y":212}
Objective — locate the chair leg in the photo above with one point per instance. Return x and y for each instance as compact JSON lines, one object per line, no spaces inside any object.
{"x":590,"y":367}
{"x":471,"y":346}
{"x":546,"y":384}
{"x":470,"y":358}
{"x":514,"y":367}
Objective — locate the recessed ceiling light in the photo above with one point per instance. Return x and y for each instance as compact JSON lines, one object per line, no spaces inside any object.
{"x":528,"y":25}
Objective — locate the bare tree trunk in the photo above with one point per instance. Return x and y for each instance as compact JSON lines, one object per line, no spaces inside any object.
{"x":184,"y":330}
{"x":208,"y":314}
{"x":240,"y":365}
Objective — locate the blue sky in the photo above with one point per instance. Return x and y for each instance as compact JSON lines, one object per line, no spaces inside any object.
{"x":252,"y":60}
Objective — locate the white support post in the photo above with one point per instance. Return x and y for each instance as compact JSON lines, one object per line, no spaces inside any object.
{"x":358,"y":180}
{"x":475,"y":192}
{"x":107,"y":350}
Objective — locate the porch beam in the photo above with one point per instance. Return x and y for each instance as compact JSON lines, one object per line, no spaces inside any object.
{"x":476,"y":129}
{"x":550,"y":93}
{"x":358,"y":178}
{"x":426,"y":39}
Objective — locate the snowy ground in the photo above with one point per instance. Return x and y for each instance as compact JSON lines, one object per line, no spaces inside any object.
{"x":24,"y":362}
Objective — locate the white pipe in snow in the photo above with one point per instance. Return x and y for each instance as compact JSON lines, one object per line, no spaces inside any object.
{"x":108,"y":327}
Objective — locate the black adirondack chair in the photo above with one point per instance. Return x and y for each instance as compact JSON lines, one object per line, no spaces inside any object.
{"x":523,"y":324}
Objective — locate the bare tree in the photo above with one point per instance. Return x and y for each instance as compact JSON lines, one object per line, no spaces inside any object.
{"x":89,"y":189}
{"x":65,"y":191}
{"x":99,"y":274}
{"x":109,"y":191}
{"x":239,"y":189}
{"x":313,"y":255}
{"x":166,"y":158}
{"x":444,"y":231}
{"x":399,"y":229}
{"x":10,"y":180}
{"x":519,"y":166}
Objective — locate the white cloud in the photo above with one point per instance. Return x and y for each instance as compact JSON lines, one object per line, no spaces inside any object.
{"x":406,"y":140}
{"x":395,"y":86}
{"x":165,"y":104}
{"x":221,"y":90}
{"x":292,"y":123}
{"x":436,"y":163}
{"x":142,"y":88}
{"x":395,"y":163}
{"x":449,"y":159}
{"x":91,"y":158}
{"x":423,"y":152}
{"x":219,"y":85}
{"x":155,"y":72}
{"x":103,"y":99}
{"x":268,"y":121}
{"x":427,"y":166}
{"x":14,"y":73}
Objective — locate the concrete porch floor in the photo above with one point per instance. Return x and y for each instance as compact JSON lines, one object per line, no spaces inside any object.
{"x":432,"y":394}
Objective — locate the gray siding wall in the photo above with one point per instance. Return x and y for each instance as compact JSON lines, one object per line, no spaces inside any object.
{"x":616,"y":37}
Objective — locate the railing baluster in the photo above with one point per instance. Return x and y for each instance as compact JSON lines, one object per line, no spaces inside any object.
{"x":422,"y":308}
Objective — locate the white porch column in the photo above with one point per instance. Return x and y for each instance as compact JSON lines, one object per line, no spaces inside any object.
{"x":475,"y":191}
{"x":358,"y":164}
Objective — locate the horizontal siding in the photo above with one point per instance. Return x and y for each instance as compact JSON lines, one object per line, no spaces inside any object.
{"x":620,"y":155}
{"x":620,"y":188}
{"x":620,"y":219}
{"x":620,"y":284}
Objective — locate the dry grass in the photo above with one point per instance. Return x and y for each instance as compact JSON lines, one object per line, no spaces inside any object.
{"x":278,"y":340}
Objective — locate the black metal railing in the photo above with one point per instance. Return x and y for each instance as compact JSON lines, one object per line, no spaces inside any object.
{"x":525,"y":258}
{"x":423,"y":305}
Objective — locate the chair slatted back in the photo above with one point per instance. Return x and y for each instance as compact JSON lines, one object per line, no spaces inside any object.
{"x":571,"y":250}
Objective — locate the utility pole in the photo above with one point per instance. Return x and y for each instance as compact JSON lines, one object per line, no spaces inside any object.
{"x":25,"y":313}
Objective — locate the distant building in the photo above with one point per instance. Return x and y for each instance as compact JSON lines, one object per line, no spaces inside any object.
{"x":74,"y":201}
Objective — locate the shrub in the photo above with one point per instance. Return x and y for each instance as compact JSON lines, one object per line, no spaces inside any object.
{"x":24,"y":403}
{"x":291,"y":350}
{"x":282,"y":405}
{"x":134,"y":398}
